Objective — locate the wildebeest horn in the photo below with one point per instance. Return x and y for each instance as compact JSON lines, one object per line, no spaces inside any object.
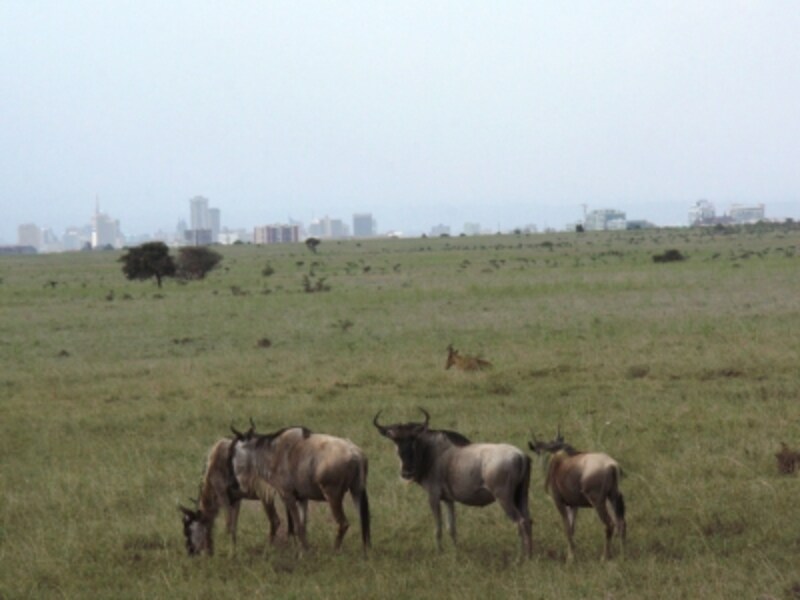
{"x":427,"y":417}
{"x":559,"y":437}
{"x":252,"y":425}
{"x":380,"y":427}
{"x":186,"y":511}
{"x":239,"y":435}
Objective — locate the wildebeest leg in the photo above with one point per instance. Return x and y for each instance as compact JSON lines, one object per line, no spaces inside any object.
{"x":568,"y":515}
{"x":272,"y":515}
{"x":436,"y":509}
{"x":451,"y":519}
{"x":335,"y":498}
{"x":299,"y":523}
{"x":231,"y":519}
{"x":602,"y":512}
{"x":522,"y":519}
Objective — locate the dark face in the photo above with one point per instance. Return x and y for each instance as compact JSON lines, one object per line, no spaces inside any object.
{"x":197,"y":532}
{"x":405,"y":437}
{"x":406,"y":450}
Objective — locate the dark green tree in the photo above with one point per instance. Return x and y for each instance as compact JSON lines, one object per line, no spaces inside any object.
{"x":195,"y":262}
{"x":312,"y":243}
{"x":149,"y":260}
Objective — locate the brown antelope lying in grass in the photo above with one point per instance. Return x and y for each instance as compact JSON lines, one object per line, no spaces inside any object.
{"x":576,"y":479}
{"x":465,"y":362}
{"x":215,"y":494}
{"x":788,"y":460}
{"x":301,"y":466}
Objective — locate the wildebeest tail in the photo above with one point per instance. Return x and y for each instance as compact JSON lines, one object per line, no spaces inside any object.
{"x":363,"y":512}
{"x":617,"y":501}
{"x":521,"y":491}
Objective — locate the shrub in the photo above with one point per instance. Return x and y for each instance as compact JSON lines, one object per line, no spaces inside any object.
{"x":195,"y":262}
{"x":671,"y":255}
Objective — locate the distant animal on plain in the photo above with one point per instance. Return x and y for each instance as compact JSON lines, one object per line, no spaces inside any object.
{"x":465,"y":362}
{"x":300,"y":466}
{"x":452,"y":469}
{"x":788,"y":460}
{"x":215,"y":494}
{"x":583,"y":479}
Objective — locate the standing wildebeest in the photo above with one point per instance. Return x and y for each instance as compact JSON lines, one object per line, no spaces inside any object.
{"x":216,"y":492}
{"x":465,"y":362}
{"x":301,"y":466}
{"x":576,"y":479}
{"x":452,"y":469}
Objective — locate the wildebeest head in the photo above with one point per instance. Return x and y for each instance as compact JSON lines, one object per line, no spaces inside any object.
{"x":197,"y":531}
{"x":552,"y":447}
{"x":405,"y":436}
{"x":247,"y":435}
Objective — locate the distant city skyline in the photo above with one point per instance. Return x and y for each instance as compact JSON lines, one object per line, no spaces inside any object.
{"x":208,"y":225}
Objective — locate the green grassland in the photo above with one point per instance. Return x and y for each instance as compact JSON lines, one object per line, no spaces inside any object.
{"x":688,"y":373}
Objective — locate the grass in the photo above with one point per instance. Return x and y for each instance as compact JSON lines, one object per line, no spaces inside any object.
{"x":113,"y":391}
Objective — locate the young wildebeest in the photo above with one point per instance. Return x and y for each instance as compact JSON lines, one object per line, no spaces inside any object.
{"x":465,"y":362}
{"x":452,"y":469}
{"x":576,"y":479}
{"x":215,"y":494}
{"x":301,"y":466}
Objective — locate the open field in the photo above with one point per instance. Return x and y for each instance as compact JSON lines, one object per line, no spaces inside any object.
{"x":688,"y":373}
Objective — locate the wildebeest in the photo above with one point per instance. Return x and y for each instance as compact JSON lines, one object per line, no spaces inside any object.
{"x":465,"y":362}
{"x":301,"y":466}
{"x":576,"y":479}
{"x":215,"y":494}
{"x":453,"y":469}
{"x":788,"y":460}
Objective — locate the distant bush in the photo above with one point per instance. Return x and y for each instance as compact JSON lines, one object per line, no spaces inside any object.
{"x":195,"y":262}
{"x":669,"y":256}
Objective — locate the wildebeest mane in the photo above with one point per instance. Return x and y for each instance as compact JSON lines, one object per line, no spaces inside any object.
{"x":269,"y":437}
{"x":453,"y":436}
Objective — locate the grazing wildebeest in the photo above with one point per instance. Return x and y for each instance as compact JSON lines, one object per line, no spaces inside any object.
{"x":221,"y":490}
{"x":576,"y":479}
{"x":301,"y":466}
{"x":465,"y":362}
{"x":453,"y":469}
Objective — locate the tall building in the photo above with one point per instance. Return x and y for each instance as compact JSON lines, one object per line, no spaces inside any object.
{"x":604,"y":219}
{"x":213,"y":223}
{"x":204,"y":223}
{"x":29,"y":234}
{"x":105,"y":230}
{"x":199,"y":218}
{"x":741,"y":213}
{"x":276,"y":234}
{"x":328,"y":228}
{"x":702,"y":213}
{"x":363,"y":225}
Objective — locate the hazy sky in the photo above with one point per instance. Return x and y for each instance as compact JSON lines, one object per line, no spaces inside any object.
{"x":421,"y":112}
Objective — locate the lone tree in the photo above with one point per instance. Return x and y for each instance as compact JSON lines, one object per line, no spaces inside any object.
{"x":195,"y":262}
{"x":312,"y":243}
{"x":151,"y":259}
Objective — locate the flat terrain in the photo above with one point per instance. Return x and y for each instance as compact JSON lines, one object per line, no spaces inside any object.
{"x":687,"y":372}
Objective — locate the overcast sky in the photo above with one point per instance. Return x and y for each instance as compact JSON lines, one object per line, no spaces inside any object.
{"x":421,"y":112}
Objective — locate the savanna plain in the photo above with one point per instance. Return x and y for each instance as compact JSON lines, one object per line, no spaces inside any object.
{"x":686,"y":372}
